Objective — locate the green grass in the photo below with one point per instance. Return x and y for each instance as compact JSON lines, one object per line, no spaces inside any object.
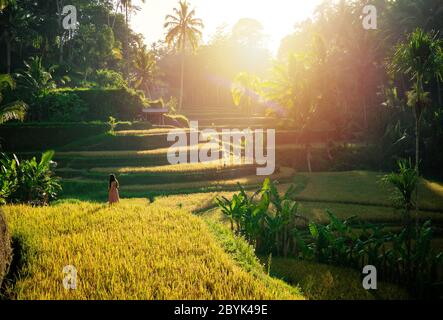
{"x":81,"y":187}
{"x":161,"y":177}
{"x":134,"y":250}
{"x":325,"y":282}
{"x":376,"y":214}
{"x":109,"y":142}
{"x":362,"y":187}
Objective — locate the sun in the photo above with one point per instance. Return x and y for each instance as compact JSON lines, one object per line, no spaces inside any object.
{"x":278,"y":17}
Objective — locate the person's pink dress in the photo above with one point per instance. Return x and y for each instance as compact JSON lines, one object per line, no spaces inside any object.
{"x":113,"y":193}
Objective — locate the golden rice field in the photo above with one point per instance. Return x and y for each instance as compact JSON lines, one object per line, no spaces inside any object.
{"x":125,"y":153}
{"x":135,"y":250}
{"x":175,"y":168}
{"x":149,"y":132}
{"x":284,"y":173}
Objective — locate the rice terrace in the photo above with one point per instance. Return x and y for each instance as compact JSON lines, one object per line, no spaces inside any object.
{"x":176,"y":150}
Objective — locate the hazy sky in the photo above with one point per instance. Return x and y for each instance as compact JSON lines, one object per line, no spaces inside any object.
{"x":277,"y":16}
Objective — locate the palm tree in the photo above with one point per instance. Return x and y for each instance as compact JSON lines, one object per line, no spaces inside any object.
{"x":293,"y":87}
{"x":421,"y":58}
{"x":145,"y":68}
{"x":127,"y":6}
{"x":12,"y":111}
{"x":244,"y":91}
{"x":183,"y":30}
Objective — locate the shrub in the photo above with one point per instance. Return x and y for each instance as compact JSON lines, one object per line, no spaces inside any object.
{"x":59,"y":107}
{"x":351,"y":243}
{"x":112,"y":124}
{"x":106,"y":78}
{"x":136,"y":125}
{"x":15,"y":136}
{"x":268,"y":221}
{"x":5,"y":248}
{"x":123,"y":103}
{"x":265,"y":219}
{"x":156,"y":103}
{"x":176,"y":120}
{"x":28,"y":181}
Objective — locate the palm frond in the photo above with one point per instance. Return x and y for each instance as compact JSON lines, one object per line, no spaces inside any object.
{"x":13,"y":111}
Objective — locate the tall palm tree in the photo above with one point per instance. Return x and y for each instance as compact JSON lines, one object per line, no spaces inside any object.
{"x":183,"y":30}
{"x":127,"y":6}
{"x":12,"y":111}
{"x":421,"y":58}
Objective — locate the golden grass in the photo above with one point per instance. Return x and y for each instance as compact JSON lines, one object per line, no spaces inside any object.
{"x":134,"y":250}
{"x":174,"y":168}
{"x":124,"y":153}
{"x":284,"y":173}
{"x":149,"y":132}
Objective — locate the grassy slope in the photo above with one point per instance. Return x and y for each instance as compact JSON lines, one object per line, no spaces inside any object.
{"x":135,"y":250}
{"x":361,"y":187}
{"x":325,"y":282}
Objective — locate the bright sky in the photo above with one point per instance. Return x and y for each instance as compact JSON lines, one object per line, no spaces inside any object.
{"x":277,"y":16}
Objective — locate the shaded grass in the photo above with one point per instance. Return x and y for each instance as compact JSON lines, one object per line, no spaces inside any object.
{"x":134,"y":250}
{"x":97,"y":189}
{"x":184,"y":168}
{"x":376,"y":214}
{"x":326,"y":282}
{"x":156,"y":178}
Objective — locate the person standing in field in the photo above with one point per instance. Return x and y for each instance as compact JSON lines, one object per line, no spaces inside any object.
{"x":113,"y":190}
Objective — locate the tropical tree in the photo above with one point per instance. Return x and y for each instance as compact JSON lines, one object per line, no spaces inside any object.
{"x":183,"y":30}
{"x":127,"y":6}
{"x":294,"y":87}
{"x":245,"y":91}
{"x":34,"y":80}
{"x":11,"y":111}
{"x":145,"y":66}
{"x":421,"y":58}
{"x":13,"y":20}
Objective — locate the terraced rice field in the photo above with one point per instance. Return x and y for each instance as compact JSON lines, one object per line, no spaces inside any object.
{"x":134,"y":250}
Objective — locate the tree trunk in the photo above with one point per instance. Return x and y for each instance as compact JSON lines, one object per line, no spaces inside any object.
{"x":60,"y":26}
{"x":182,"y":79}
{"x":115,"y":15}
{"x":417,"y":142}
{"x":439,"y":93}
{"x":308,"y":158}
{"x":8,"y":53}
{"x":60,"y":58}
{"x":127,"y":43}
{"x":417,"y":162}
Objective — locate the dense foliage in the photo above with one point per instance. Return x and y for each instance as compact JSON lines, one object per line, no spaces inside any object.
{"x":272,"y":224}
{"x":28,"y":181}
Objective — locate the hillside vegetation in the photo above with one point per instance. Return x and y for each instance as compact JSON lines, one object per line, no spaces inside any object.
{"x":135,"y":250}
